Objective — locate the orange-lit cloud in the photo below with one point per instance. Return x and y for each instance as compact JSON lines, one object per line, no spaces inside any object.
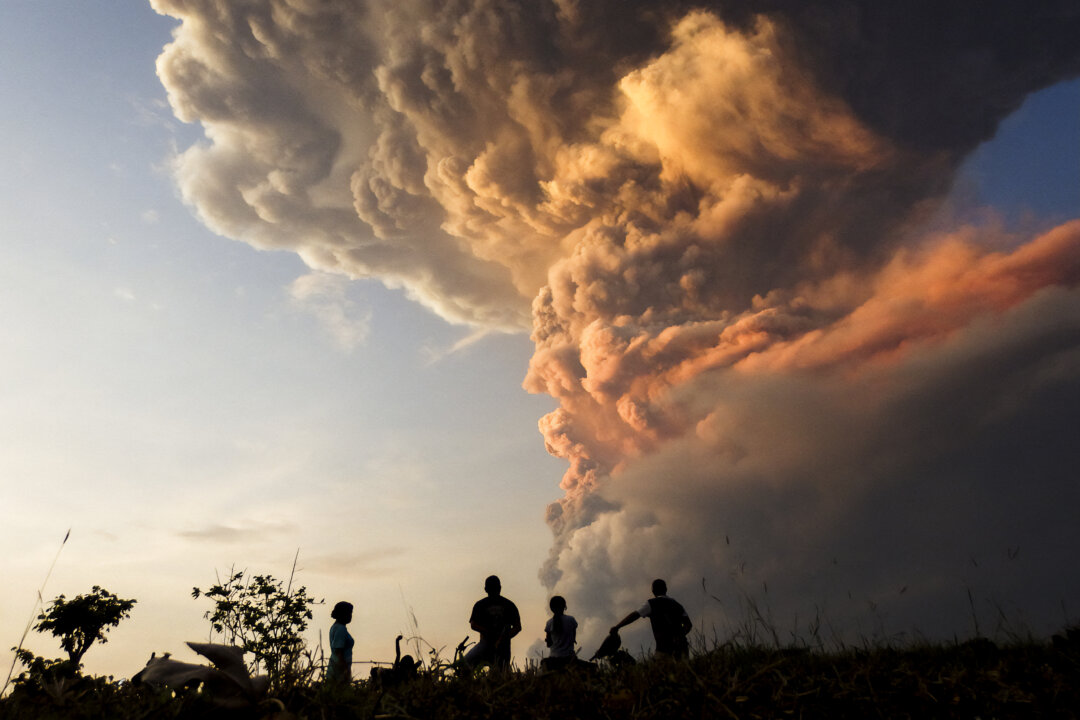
{"x":712,"y":220}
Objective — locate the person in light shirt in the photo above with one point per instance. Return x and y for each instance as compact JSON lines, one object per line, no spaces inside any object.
{"x":339,"y":669}
{"x":560,"y":634}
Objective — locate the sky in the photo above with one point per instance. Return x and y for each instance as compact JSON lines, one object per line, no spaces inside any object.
{"x":779,"y":304}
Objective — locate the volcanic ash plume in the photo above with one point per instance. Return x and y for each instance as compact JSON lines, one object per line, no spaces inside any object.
{"x":770,"y":370}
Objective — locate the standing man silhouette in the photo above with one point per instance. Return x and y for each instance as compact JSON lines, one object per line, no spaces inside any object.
{"x":670,"y":623}
{"x":497,"y":620}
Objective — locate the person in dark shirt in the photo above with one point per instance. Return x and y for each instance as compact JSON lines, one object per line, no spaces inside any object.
{"x":497,"y":620}
{"x":670,"y":623}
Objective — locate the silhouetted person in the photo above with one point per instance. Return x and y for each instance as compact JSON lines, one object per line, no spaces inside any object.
{"x":611,"y":645}
{"x":611,"y":650}
{"x":560,"y":634}
{"x":339,"y":669}
{"x":497,"y":620}
{"x":404,"y":665}
{"x":403,"y":669}
{"x":670,"y":623}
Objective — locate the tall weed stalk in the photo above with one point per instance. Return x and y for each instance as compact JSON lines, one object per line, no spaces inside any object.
{"x":33,"y":612}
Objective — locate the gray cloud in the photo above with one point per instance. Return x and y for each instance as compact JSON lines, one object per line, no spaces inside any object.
{"x":324,"y":297}
{"x":939,"y":475}
{"x":373,"y":563}
{"x":235,"y":533}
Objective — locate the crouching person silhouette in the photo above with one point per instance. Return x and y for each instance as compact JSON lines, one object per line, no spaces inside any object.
{"x":403,"y":669}
{"x":670,"y":623}
{"x":497,"y":620}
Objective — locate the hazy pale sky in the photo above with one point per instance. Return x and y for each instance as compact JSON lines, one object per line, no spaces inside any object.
{"x":169,"y":397}
{"x":187,"y":403}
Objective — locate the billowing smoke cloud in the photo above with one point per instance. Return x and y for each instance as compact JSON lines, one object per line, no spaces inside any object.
{"x":713,"y":217}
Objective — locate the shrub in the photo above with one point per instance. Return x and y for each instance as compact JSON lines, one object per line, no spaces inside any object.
{"x":265,"y":618}
{"x":79,"y":623}
{"x":84,"y":619}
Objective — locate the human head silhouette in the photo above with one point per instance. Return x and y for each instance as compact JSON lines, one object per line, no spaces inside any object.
{"x":492,"y":586}
{"x":557,"y":604}
{"x":342,"y":612}
{"x":659,"y":587}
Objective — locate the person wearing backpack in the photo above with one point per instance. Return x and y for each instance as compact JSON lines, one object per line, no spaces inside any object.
{"x":670,"y":623}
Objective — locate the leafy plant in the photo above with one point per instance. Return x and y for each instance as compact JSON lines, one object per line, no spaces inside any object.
{"x":83,"y":620}
{"x":79,"y":623}
{"x":266,"y":618}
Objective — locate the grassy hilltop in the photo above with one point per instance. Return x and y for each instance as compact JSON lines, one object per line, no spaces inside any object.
{"x":978,"y":678}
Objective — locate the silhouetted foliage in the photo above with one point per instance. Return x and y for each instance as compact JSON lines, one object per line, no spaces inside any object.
{"x":738,"y":677}
{"x":83,"y":620}
{"x":262,"y":616}
{"x":730,"y":680}
{"x":79,"y":623}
